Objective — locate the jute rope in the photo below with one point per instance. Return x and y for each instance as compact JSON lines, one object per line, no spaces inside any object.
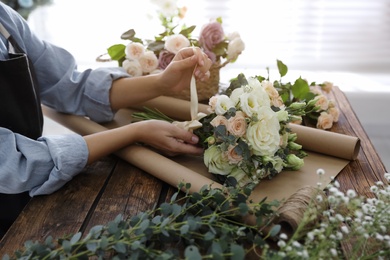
{"x":302,"y":204}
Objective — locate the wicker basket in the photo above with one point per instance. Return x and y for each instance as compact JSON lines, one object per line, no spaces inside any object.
{"x":205,"y":89}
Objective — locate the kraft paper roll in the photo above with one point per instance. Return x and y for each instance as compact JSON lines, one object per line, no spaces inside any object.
{"x":325,"y":142}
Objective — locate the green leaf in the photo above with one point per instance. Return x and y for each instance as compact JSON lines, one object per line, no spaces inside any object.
{"x":300,"y":89}
{"x":192,"y":253}
{"x":282,"y":68}
{"x":237,"y":251}
{"x":76,"y":238}
{"x":128,"y":35}
{"x":117,"y":52}
{"x":275,"y":230}
{"x":184,"y":229}
{"x":120,"y":247}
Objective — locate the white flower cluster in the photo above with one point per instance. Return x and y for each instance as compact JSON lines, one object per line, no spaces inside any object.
{"x":362,"y":222}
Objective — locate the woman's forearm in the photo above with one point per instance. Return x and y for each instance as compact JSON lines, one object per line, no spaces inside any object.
{"x":126,"y":91}
{"x":104,"y":143}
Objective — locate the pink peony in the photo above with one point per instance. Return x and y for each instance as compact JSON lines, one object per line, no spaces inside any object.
{"x":210,"y":35}
{"x":165,"y":57}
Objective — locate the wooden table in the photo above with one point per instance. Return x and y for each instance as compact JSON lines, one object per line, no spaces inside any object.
{"x":112,"y":186}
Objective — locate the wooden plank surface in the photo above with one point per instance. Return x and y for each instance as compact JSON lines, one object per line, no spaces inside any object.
{"x":362,"y":173}
{"x":62,"y":212}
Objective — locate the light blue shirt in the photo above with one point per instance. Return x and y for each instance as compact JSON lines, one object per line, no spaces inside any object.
{"x":43,"y":166}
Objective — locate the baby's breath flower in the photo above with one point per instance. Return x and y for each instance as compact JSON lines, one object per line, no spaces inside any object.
{"x":281,"y":243}
{"x":283,"y":236}
{"x":333,"y":252}
{"x":345,"y":229}
{"x":374,"y":189}
{"x":320,"y":172}
{"x":351,"y":193}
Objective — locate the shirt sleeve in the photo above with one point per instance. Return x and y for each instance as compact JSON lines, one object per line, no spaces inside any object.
{"x":62,"y":86}
{"x":39,"y":166}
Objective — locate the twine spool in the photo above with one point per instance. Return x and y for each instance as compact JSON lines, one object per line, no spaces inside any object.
{"x":292,"y":212}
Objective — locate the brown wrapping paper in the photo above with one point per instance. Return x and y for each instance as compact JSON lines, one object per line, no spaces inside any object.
{"x":326,"y":150}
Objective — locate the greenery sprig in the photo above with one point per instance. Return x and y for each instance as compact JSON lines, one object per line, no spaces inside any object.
{"x":206,"y":224}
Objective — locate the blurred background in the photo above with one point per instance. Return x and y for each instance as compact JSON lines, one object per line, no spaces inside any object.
{"x":346,"y":42}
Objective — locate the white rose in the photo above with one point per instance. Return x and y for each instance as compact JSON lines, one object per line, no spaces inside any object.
{"x":216,"y":161}
{"x":148,"y":61}
{"x":132,"y":67}
{"x":174,"y":43}
{"x":223,"y":104}
{"x":134,"y":50}
{"x":263,"y":135}
{"x":235,"y":48}
{"x":233,"y":35}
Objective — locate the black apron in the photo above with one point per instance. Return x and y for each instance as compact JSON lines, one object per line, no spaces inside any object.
{"x":20,"y":111}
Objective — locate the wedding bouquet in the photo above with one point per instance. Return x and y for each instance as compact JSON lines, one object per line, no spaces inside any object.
{"x":246,"y":135}
{"x":147,"y":56}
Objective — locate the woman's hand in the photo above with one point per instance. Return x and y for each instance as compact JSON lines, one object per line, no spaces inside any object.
{"x":161,"y":135}
{"x":168,"y":138}
{"x":188,"y":61}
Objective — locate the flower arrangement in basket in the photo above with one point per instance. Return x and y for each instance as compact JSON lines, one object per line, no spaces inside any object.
{"x":142,"y":57}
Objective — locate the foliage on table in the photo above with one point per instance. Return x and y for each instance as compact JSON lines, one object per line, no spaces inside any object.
{"x":208,"y":225}
{"x":321,"y":112}
{"x":25,"y":7}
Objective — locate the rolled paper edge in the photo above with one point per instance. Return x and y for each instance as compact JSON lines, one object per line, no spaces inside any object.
{"x":326,"y":142}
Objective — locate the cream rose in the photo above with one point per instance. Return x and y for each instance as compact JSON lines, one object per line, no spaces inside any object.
{"x":232,"y":155}
{"x":216,"y":161}
{"x":335,"y":112}
{"x":174,"y":43}
{"x":263,"y":135}
{"x":219,"y":120}
{"x":327,"y":86}
{"x":132,"y":67}
{"x":134,"y":50}
{"x":325,"y":121}
{"x":148,"y":61}
{"x":322,"y":101}
{"x":237,"y":124}
{"x":212,"y":103}
{"x":270,"y":89}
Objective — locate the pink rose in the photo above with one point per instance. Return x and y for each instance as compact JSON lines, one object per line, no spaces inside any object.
{"x":174,"y":43}
{"x":210,"y":35}
{"x":219,"y":120}
{"x":148,"y":61}
{"x":233,"y":156}
{"x":237,"y":124}
{"x":165,"y":57}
